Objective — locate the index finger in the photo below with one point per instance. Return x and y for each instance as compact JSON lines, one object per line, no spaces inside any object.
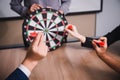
{"x":41,"y":41}
{"x":36,"y":40}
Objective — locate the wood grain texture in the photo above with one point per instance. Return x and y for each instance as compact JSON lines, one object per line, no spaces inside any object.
{"x":69,"y":62}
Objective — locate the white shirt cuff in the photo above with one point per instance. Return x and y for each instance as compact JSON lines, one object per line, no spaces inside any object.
{"x":25,"y":70}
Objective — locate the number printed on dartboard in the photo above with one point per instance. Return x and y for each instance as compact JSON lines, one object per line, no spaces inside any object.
{"x":50,"y":22}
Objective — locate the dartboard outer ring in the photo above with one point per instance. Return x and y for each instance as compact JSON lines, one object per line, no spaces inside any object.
{"x":51,"y":22}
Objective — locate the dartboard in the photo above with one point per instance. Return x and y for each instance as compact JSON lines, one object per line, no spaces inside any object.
{"x":49,"y":21}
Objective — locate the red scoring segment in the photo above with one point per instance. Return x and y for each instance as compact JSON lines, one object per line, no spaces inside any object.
{"x":101,"y":43}
{"x":70,"y":27}
{"x":53,"y":33}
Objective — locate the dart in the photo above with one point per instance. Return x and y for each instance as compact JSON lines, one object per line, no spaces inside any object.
{"x":100,"y":43}
{"x":33,"y":34}
{"x":70,"y":27}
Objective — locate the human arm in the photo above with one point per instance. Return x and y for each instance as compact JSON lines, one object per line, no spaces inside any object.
{"x":74,"y":32}
{"x":65,"y":4}
{"x":113,"y":35}
{"x":37,"y":51}
{"x":111,"y":38}
{"x":102,"y":54}
{"x":85,"y":41}
{"x":16,"y":5}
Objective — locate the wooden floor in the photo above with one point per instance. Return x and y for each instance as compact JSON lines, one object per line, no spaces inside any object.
{"x":70,"y":62}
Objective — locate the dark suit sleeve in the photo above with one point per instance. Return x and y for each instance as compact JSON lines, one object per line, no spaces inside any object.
{"x":113,"y":36}
{"x":17,"y":75}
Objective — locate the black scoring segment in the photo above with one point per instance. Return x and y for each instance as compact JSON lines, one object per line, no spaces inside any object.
{"x":50,"y":22}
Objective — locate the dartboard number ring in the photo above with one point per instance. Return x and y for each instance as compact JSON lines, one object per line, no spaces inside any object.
{"x":50,"y":22}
